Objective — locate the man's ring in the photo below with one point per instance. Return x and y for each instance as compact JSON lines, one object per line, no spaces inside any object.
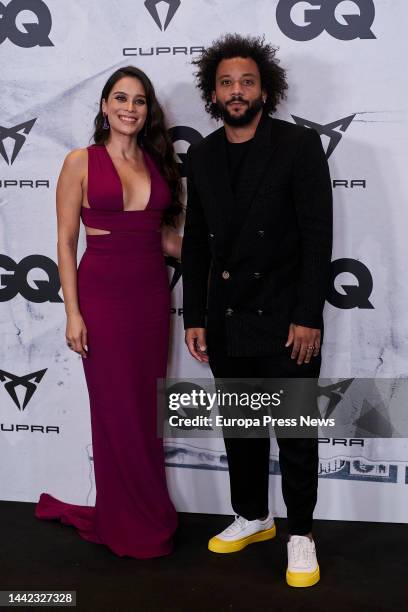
{"x":310,"y":348}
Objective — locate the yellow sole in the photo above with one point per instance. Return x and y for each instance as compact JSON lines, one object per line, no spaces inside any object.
{"x":221,"y":546}
{"x":302,"y":579}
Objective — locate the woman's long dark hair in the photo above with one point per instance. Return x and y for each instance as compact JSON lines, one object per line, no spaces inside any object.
{"x":154,"y":137}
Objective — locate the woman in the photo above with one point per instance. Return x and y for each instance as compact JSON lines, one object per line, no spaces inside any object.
{"x":127,"y":190}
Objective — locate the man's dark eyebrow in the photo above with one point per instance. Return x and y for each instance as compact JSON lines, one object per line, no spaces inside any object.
{"x":222,"y":76}
{"x":124,"y":92}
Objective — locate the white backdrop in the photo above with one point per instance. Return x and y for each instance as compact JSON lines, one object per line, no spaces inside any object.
{"x":346,"y":79}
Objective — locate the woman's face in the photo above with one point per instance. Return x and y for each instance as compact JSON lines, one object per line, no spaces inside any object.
{"x":126,"y":106}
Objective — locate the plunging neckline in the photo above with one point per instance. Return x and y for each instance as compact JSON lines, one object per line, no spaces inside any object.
{"x":121,"y":185}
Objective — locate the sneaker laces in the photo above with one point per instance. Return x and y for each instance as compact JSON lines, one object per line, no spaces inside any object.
{"x":239,"y":523}
{"x":301,"y":551}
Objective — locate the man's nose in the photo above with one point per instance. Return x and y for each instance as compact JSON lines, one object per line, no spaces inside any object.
{"x":236,"y":88}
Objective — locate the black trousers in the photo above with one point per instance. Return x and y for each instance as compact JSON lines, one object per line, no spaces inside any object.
{"x":248,"y":458}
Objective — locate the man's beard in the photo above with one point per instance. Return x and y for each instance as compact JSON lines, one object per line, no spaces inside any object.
{"x":246,"y":117}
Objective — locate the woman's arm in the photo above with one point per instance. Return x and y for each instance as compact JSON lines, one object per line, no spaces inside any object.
{"x":171,"y":242}
{"x":69,"y":201}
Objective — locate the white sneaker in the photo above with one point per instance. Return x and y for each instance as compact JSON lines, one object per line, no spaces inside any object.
{"x":303,"y":569}
{"x":241,"y":533}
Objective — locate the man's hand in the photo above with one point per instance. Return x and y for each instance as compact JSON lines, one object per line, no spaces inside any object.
{"x":306,"y":342}
{"x":195,"y":339}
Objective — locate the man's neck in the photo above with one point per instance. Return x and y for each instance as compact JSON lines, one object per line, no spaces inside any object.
{"x":242,"y":133}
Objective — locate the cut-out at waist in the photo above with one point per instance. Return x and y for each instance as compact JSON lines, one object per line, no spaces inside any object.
{"x":92,"y":231}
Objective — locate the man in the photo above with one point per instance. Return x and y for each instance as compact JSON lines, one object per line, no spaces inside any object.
{"x":259,"y":220}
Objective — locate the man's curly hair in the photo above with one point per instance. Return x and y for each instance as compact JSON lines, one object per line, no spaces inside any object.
{"x":273,"y":77}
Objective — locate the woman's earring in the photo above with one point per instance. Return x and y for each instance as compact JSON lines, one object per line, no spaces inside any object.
{"x":105,"y":125}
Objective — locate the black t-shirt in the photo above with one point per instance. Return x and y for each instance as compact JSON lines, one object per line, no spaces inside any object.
{"x":236,"y":153}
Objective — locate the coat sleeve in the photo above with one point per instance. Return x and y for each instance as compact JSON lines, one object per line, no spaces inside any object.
{"x":195,"y":256}
{"x":312,"y":194}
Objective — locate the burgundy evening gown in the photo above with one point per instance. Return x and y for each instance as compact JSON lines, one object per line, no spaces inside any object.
{"x":124,"y":299}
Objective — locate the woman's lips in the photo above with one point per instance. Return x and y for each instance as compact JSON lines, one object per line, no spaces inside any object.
{"x":128,"y":120}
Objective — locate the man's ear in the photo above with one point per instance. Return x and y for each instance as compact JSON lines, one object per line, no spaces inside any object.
{"x":264,"y":96}
{"x":213,"y":97}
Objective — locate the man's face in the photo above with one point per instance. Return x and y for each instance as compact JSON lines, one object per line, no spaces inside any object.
{"x":238,"y":92}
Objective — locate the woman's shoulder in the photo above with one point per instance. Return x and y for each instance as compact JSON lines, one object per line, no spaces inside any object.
{"x":76,"y":158}
{"x":76,"y":163}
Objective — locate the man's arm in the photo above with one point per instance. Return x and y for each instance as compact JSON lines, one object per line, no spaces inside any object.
{"x":312,"y":194}
{"x":195,"y":256}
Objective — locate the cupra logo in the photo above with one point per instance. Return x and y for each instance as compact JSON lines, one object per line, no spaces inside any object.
{"x":151,"y":6}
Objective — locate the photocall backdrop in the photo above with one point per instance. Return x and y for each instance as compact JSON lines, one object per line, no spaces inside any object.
{"x":344,"y":63}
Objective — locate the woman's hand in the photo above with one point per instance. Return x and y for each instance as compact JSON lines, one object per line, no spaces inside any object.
{"x":76,"y":334}
{"x":171,"y":242}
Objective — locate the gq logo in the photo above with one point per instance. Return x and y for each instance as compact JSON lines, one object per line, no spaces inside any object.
{"x":35,"y":33}
{"x":184,"y":133}
{"x":356,"y":295}
{"x":16,"y":281}
{"x":324,"y":16}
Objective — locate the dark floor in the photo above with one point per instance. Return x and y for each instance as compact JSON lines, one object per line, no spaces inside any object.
{"x":363,"y":568}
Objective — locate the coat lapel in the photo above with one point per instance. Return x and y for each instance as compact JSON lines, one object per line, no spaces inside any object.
{"x":256,"y":164}
{"x":217,"y":168}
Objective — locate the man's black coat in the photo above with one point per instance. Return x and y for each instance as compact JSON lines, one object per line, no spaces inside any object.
{"x":278,"y":267}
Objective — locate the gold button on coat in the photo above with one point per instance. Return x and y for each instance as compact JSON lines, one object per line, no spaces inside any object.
{"x":225,"y":275}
